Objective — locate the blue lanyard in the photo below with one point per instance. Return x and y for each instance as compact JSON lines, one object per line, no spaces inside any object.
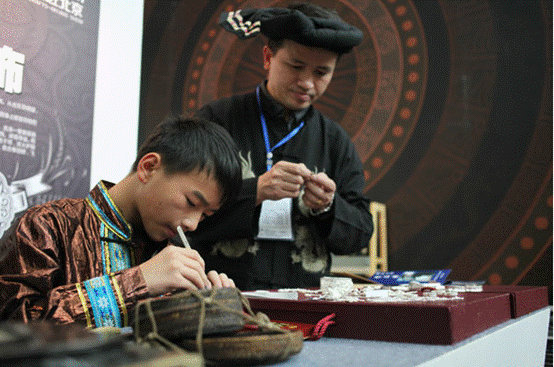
{"x":268,"y":149}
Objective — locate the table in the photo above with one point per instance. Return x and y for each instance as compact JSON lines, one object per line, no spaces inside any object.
{"x":517,"y":342}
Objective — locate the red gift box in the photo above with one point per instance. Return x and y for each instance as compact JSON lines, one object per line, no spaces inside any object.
{"x":428,"y":322}
{"x":523,"y":299}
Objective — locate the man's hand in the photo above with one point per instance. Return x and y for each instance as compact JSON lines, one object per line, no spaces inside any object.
{"x":319,"y":191}
{"x":179,"y":268}
{"x":283,"y":180}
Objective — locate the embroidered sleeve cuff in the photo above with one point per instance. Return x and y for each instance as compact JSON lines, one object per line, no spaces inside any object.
{"x":104,"y":303}
{"x":107,"y":299}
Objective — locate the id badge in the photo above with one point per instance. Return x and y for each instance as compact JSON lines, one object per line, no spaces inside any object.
{"x":275,"y":220}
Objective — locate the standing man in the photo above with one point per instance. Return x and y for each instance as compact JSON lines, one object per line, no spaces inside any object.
{"x":301,"y":196}
{"x":90,"y":260}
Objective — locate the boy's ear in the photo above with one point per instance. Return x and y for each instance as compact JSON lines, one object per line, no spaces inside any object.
{"x":147,"y":165}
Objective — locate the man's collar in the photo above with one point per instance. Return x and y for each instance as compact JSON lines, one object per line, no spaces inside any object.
{"x":276,"y":109}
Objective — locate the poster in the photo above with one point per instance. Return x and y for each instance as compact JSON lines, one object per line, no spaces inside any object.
{"x":47,"y":74}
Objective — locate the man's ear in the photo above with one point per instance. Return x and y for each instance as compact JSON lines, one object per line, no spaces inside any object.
{"x":268,"y":54}
{"x":147,"y":165}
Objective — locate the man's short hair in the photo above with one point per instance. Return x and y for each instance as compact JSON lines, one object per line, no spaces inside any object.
{"x":188,"y":144}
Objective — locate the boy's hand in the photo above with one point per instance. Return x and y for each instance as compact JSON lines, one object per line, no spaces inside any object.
{"x":220,"y":280}
{"x":176,"y":268}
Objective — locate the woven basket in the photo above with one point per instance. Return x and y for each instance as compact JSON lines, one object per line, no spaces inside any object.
{"x":248,"y":347}
{"x":178,"y":316}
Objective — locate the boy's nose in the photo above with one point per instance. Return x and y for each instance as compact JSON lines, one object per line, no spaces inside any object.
{"x":190,"y":223}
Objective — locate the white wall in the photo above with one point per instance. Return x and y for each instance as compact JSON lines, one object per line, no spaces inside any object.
{"x":117,"y":92}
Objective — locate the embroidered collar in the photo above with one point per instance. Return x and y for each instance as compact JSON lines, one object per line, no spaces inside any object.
{"x":100,"y":201}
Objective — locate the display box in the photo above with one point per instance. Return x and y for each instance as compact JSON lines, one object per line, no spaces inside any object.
{"x":430,"y":322}
{"x":523,"y":299}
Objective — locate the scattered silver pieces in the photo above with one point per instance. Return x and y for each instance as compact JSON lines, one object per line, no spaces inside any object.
{"x":340,"y":289}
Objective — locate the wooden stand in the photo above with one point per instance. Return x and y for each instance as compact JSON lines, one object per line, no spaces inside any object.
{"x":376,"y":259}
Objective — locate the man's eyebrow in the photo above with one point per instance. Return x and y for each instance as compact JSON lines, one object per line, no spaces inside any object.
{"x":298,"y":61}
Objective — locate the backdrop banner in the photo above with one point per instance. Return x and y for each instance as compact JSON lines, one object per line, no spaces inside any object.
{"x":47,"y":74}
{"x":448,"y":104}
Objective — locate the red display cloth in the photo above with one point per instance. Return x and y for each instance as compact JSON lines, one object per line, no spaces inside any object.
{"x":310,"y":331}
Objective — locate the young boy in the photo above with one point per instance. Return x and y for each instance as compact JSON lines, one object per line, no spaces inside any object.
{"x":90,"y":260}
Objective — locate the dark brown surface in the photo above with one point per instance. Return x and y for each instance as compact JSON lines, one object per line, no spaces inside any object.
{"x":428,"y":322}
{"x":179,"y":315}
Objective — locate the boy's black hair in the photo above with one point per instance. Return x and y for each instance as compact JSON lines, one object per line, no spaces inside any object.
{"x":188,"y":144}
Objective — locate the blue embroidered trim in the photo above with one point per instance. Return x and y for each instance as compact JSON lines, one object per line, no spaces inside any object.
{"x":115,"y":256}
{"x":119,"y":256}
{"x":103,"y":302}
{"x":104,"y":233}
{"x":112,"y":205}
{"x":104,"y":217}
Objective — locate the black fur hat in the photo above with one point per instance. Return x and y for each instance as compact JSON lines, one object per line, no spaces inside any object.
{"x":331,"y":33}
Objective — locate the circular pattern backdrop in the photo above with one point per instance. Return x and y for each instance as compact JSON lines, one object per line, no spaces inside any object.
{"x":443,"y":100}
